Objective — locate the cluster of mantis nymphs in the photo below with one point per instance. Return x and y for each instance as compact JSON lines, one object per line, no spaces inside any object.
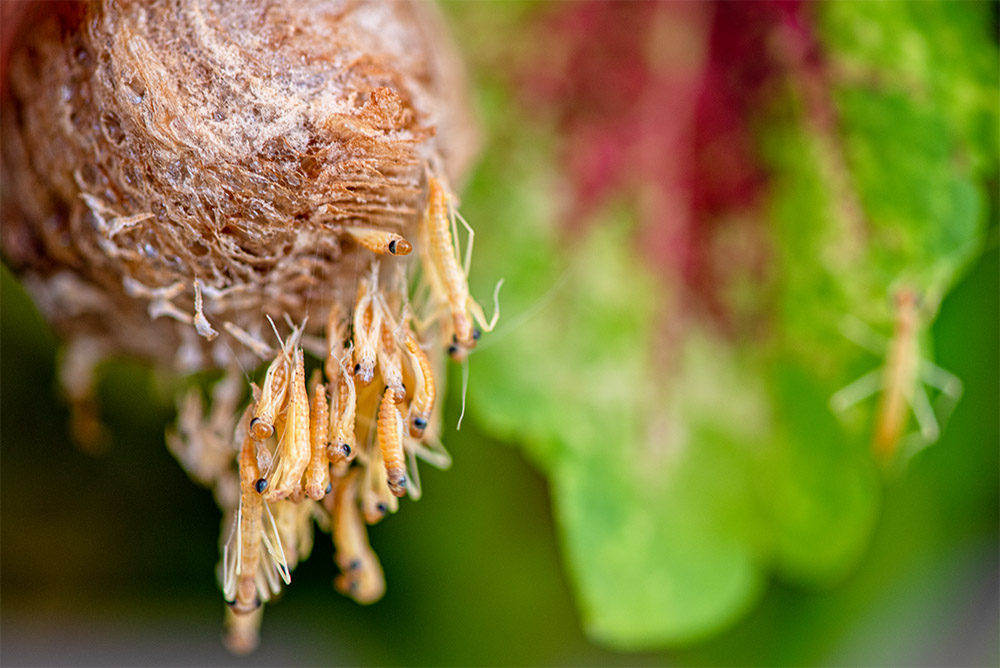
{"x":340,"y":448}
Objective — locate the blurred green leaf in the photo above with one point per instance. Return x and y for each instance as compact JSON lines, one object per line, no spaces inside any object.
{"x":676,"y":494}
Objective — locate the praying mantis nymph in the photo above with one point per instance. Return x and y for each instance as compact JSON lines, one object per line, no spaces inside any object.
{"x":317,"y":476}
{"x":390,"y":441}
{"x":367,"y":328}
{"x":376,"y":499}
{"x":253,"y":557}
{"x":275,"y":389}
{"x":343,"y":401}
{"x":447,"y":276}
{"x":336,"y":341}
{"x":361,"y":575}
{"x":389,"y":362}
{"x":292,"y":455}
{"x":380,"y":241}
{"x":422,"y":402}
{"x":899,"y":382}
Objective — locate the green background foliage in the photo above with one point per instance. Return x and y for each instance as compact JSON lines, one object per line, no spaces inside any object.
{"x":676,"y":496}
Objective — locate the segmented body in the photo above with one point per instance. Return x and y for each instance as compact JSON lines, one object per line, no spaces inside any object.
{"x":250,"y":518}
{"x":342,"y":417}
{"x":361,"y":574}
{"x":899,"y":377}
{"x":424,"y":391}
{"x":376,"y":500}
{"x":390,"y":440}
{"x":253,"y":559}
{"x":336,"y":338}
{"x":389,"y":363}
{"x":317,"y":477}
{"x":441,"y":248}
{"x":367,"y":335}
